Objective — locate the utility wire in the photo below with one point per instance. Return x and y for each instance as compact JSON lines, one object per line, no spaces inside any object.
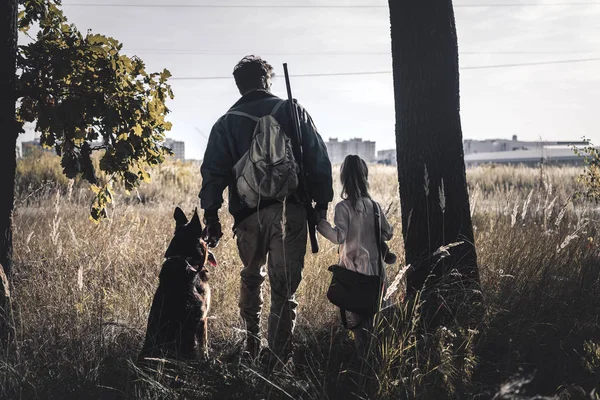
{"x":533,"y":63}
{"x":336,"y":53}
{"x":357,"y":6}
{"x":198,"y":78}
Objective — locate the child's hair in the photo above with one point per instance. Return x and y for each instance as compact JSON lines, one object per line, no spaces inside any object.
{"x":354,"y":175}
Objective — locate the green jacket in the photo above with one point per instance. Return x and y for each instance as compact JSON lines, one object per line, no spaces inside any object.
{"x":230,"y":138}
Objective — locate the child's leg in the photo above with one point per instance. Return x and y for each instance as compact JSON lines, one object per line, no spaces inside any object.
{"x":364,"y":339}
{"x":362,"y":331}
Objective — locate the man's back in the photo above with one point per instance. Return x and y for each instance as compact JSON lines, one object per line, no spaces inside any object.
{"x":231,"y":137}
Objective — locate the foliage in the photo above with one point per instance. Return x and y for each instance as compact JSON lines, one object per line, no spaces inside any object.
{"x":590,"y":178}
{"x":83,"y":95}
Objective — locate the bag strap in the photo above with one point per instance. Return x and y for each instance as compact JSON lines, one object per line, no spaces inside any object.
{"x":377,"y":213}
{"x":243,"y":114}
{"x":252,"y":117}
{"x":277,"y":106}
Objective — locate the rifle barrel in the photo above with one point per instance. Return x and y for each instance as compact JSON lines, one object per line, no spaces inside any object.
{"x":314,"y":244}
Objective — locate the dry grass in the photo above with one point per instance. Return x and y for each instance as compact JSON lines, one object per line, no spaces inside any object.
{"x":82,"y":293}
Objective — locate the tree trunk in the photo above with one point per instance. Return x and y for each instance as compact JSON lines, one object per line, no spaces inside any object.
{"x":431,"y":168}
{"x":8,"y":127}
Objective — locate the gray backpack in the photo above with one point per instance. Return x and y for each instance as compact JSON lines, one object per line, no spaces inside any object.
{"x":268,"y":170}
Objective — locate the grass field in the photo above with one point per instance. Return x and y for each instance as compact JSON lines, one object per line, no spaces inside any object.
{"x":82,"y":293}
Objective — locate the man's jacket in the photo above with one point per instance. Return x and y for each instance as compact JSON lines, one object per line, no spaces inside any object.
{"x":230,"y":138}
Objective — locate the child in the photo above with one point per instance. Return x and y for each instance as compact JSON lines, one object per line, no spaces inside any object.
{"x":355,"y":232}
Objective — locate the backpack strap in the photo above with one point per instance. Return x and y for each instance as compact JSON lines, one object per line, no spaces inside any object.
{"x":243,"y":114}
{"x":252,"y":117}
{"x":276,"y":108}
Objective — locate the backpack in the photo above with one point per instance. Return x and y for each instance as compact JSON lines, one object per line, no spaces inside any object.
{"x":268,"y":170}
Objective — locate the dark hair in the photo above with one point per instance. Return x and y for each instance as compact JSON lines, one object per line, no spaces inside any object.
{"x":252,"y":72}
{"x":354,"y":175}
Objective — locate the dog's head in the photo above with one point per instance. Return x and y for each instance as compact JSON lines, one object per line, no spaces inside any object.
{"x":187,"y":244}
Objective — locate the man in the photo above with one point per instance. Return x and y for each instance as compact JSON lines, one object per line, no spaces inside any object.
{"x":259,"y":230}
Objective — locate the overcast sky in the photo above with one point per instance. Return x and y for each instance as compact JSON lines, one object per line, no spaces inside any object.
{"x":554,"y":101}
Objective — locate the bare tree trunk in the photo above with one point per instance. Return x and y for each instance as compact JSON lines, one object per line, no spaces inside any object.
{"x":8,"y":127}
{"x":431,"y":169}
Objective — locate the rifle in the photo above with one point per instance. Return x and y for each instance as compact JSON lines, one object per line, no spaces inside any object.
{"x":312,"y":229}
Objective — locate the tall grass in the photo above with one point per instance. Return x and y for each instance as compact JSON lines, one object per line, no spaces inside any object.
{"x":82,"y":293}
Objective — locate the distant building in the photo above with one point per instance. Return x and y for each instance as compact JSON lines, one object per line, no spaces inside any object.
{"x":27,"y":148}
{"x":503,"y":151}
{"x":178,"y":148}
{"x":548,"y":155}
{"x":387,"y":157}
{"x":32,"y":147}
{"x":494,"y":145}
{"x":515,"y":152}
{"x":338,"y":150}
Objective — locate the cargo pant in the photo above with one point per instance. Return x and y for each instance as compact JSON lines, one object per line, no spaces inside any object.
{"x":262,"y":239}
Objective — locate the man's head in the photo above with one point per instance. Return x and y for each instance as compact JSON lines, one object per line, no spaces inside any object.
{"x":252,"y":73}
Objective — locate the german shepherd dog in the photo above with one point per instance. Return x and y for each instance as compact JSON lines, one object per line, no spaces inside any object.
{"x":177,"y":324}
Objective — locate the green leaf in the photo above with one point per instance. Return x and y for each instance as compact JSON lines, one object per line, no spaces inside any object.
{"x":81,"y":89}
{"x":70,"y":164}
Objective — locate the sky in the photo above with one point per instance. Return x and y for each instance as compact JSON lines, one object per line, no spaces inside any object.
{"x":554,"y":101}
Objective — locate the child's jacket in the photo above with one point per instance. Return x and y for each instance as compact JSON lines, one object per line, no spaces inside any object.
{"x":354,"y":231}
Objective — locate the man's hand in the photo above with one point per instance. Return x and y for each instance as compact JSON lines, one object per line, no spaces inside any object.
{"x":313,"y":217}
{"x":212,"y":231}
{"x":321,"y":208}
{"x":316,"y":214}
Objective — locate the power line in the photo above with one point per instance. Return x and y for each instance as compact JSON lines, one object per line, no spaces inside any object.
{"x":309,"y":6}
{"x":192,"y":78}
{"x":336,"y":53}
{"x":526,"y":4}
{"x":580,"y":60}
{"x":150,"y":5}
{"x":198,"y":78}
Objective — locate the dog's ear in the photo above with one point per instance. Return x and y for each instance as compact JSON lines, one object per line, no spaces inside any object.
{"x":195,"y":224}
{"x":180,"y":217}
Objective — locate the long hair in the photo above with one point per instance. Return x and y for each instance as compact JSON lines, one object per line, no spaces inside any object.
{"x":354,"y":175}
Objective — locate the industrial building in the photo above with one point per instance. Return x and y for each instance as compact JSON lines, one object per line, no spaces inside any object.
{"x":497,"y":145}
{"x":387,"y":157}
{"x":32,"y":147}
{"x":503,"y":151}
{"x":548,"y":155}
{"x":338,"y":150}
{"x":177,"y":147}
